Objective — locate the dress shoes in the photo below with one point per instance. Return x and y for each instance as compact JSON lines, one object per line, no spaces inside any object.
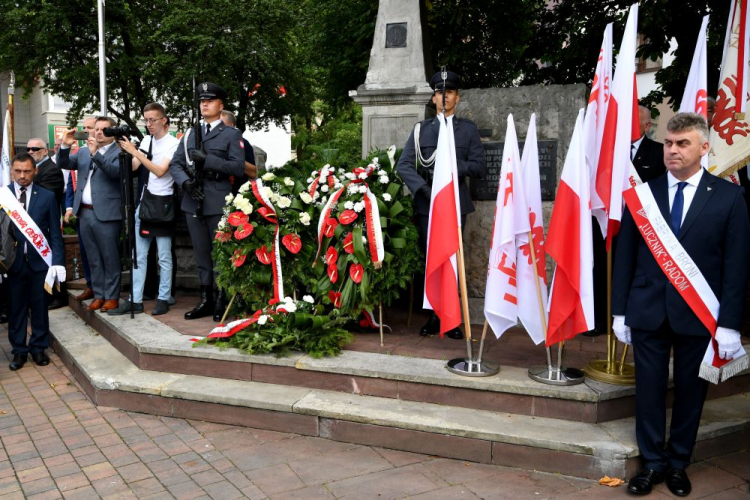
{"x":455,"y":334}
{"x":95,"y":305}
{"x":87,"y":294}
{"x":431,"y":327}
{"x":592,"y":333}
{"x":56,"y":304}
{"x":111,"y":304}
{"x":18,"y":361}
{"x":678,"y":482}
{"x":643,"y":482}
{"x":124,"y":308}
{"x":205,"y":307}
{"x":220,"y":306}
{"x":162,"y":307}
{"x":3,"y":318}
{"x":40,"y":358}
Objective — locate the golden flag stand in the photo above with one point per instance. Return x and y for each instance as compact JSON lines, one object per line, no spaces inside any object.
{"x":610,"y":370}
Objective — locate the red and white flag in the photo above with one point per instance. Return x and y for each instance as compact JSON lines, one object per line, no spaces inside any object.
{"x":530,"y":293}
{"x":695,"y":97}
{"x":596,"y":114}
{"x":569,"y":242}
{"x":441,"y":278}
{"x":511,"y":220}
{"x":620,"y":129}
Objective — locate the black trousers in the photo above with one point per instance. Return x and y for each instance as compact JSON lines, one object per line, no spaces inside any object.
{"x":202,"y":232}
{"x":27,"y":291}
{"x":651,"y":350}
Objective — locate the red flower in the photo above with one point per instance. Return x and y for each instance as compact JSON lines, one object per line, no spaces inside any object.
{"x":272,"y":302}
{"x":264,"y":256}
{"x":292,"y":242}
{"x":329,"y":226}
{"x":238,"y":258}
{"x":243,"y":231}
{"x":223,"y":236}
{"x":348,"y":216}
{"x":349,"y":243}
{"x":331,"y":256}
{"x":356,"y":272}
{"x":335,"y":298}
{"x":333,"y":273}
{"x":238,"y":218}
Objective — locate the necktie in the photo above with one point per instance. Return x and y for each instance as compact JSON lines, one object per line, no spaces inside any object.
{"x":22,"y":199}
{"x":208,"y":128}
{"x":677,"y":204}
{"x":633,"y":151}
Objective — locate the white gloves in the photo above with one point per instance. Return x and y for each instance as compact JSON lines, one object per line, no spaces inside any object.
{"x":60,"y":272}
{"x":55,"y":276}
{"x":729,"y":342}
{"x":622,"y":331}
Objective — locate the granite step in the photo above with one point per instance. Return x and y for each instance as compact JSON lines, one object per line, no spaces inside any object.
{"x":574,"y":448}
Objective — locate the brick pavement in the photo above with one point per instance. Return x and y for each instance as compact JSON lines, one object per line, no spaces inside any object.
{"x":57,"y":444}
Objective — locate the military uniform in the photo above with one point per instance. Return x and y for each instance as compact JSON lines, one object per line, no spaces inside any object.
{"x":225,"y":158}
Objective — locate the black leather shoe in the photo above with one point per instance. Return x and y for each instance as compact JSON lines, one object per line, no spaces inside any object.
{"x":678,"y":482}
{"x":220,"y":306}
{"x":40,"y":358}
{"x":431,"y":327}
{"x":205,"y":307}
{"x":456,"y":334}
{"x":3,"y":318}
{"x":643,"y":482}
{"x":56,"y":304}
{"x":18,"y":361}
{"x":592,"y":333}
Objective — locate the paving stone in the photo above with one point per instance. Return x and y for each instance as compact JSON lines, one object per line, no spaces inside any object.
{"x":134,"y":472}
{"x":146,"y":487}
{"x":329,"y":468}
{"x":72,"y":481}
{"x":275,"y":479}
{"x":389,"y":484}
{"x":309,"y":493}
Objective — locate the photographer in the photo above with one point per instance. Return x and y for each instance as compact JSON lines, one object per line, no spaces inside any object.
{"x":155,"y":215}
{"x":97,"y":206}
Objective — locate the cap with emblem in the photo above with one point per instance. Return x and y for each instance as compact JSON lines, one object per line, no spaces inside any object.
{"x":211,"y":91}
{"x":452,"y":81}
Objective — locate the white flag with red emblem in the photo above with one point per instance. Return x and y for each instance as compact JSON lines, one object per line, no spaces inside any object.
{"x":441,"y":278}
{"x":569,"y":242}
{"x":620,"y":129}
{"x":695,"y":97}
{"x":729,"y":135}
{"x":532,"y":295}
{"x":511,"y":220}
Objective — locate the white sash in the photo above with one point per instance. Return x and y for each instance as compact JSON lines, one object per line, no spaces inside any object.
{"x":25,"y":224}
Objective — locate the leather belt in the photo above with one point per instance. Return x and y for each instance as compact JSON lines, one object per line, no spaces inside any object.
{"x":86,"y":205}
{"x":214,"y":176}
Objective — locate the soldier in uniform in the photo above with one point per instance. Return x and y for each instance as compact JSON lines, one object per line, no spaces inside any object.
{"x":416,"y":165}
{"x":220,"y":157}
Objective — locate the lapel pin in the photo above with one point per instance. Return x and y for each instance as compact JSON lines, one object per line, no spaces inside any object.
{"x":709,"y":188}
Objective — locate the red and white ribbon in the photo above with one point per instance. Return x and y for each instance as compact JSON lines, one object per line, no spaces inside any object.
{"x":325,"y":175}
{"x":269,"y":213}
{"x":224,"y":331}
{"x":25,"y":224}
{"x":369,"y":321}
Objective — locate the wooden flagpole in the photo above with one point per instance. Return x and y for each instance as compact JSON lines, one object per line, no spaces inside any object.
{"x":464,"y":293}
{"x":539,"y":298}
{"x":11,"y":128}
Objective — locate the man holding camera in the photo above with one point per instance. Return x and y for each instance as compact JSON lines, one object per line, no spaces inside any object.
{"x":155,"y":153}
{"x":97,"y":206}
{"x":204,"y":174}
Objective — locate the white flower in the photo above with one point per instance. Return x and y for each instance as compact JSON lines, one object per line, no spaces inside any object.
{"x":383,"y":179}
{"x":350,"y":176}
{"x":353,"y":188}
{"x":244,"y":188}
{"x":348,"y":205}
{"x":308,"y":298}
{"x":364,"y":240}
{"x":306,"y":197}
{"x":243,"y":204}
{"x":284,"y":202}
{"x":288,"y":181}
{"x":304,"y":218}
{"x":222,"y":223}
{"x":324,"y":188}
{"x":268,"y":176}
{"x":309,"y":180}
{"x":323,"y":199}
{"x":337,"y":185}
{"x":375,"y":160}
{"x":262,"y":319}
{"x":359,"y":206}
{"x":268,"y":191}
{"x":314,"y":173}
{"x":386,"y":197}
{"x":363,"y":175}
{"x":341,"y":171}
{"x":228,"y":198}
{"x":363,"y":189}
{"x":289,"y":307}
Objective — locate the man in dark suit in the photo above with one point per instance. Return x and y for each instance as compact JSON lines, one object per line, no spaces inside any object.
{"x":97,"y":206}
{"x":29,"y":270}
{"x":647,"y":155}
{"x":221,"y":157}
{"x":708,"y":216}
{"x":415,"y":166}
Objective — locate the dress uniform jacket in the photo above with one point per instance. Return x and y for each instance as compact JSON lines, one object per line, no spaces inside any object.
{"x":649,"y":160}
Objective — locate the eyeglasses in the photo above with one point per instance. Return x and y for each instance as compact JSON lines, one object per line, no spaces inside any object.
{"x":151,"y":121}
{"x":33,"y":149}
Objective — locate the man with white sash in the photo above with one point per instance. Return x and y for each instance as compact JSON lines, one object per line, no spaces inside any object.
{"x":38,"y":265}
{"x":679,"y":280}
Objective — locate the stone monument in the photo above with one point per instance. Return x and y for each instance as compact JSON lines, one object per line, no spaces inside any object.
{"x":395,"y":92}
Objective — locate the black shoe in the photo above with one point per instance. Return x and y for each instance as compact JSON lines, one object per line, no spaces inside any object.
{"x":124,"y":308}
{"x":18,"y":361}
{"x":56,"y":304}
{"x":431,"y":327}
{"x":592,"y":333}
{"x":220,"y":306}
{"x":205,"y":307}
{"x":643,"y":482}
{"x":162,"y":307}
{"x":40,"y":358}
{"x":3,"y":318}
{"x":678,"y":482}
{"x":455,"y":334}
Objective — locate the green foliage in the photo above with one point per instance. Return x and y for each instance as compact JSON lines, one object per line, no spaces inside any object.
{"x":336,"y":141}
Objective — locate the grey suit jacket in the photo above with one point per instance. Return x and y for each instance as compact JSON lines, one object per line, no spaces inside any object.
{"x":105,"y":180}
{"x":224,"y":147}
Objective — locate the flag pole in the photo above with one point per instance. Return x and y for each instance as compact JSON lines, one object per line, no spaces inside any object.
{"x":11,"y":128}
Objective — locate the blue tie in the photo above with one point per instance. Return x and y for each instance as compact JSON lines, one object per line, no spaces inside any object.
{"x":677,"y":204}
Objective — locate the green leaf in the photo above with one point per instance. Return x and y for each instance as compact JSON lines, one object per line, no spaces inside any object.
{"x":396,"y":209}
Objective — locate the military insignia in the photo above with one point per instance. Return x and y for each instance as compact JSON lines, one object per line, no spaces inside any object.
{"x":242,"y":144}
{"x":709,"y":188}
{"x":205,"y":87}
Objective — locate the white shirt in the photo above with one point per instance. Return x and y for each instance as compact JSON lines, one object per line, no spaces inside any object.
{"x":688,"y":192}
{"x":86,"y":197}
{"x":162,"y":149}
{"x":17,"y":187}
{"x":635,"y":146}
{"x":213,"y":124}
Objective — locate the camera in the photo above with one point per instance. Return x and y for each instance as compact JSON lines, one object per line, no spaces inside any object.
{"x":80,"y":135}
{"x":118,"y":132}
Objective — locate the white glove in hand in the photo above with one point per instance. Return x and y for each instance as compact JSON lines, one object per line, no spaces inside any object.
{"x":61,"y":273}
{"x":729,"y":342}
{"x":622,"y":331}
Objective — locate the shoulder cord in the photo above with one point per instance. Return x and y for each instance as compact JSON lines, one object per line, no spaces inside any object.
{"x":185,"y":144}
{"x":420,"y":159}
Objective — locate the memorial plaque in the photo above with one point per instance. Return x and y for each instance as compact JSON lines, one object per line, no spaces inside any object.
{"x":395,"y":35}
{"x":486,"y":189}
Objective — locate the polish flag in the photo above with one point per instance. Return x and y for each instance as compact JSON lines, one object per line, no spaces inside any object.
{"x":569,"y":242}
{"x":529,"y":295}
{"x":441,"y":278}
{"x":593,"y":124}
{"x":615,"y":169}
{"x":695,"y":97}
{"x":511,"y":220}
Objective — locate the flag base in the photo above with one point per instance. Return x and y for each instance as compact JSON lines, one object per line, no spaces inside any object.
{"x":616,"y":373}
{"x":564,"y":376}
{"x":462,"y":366}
